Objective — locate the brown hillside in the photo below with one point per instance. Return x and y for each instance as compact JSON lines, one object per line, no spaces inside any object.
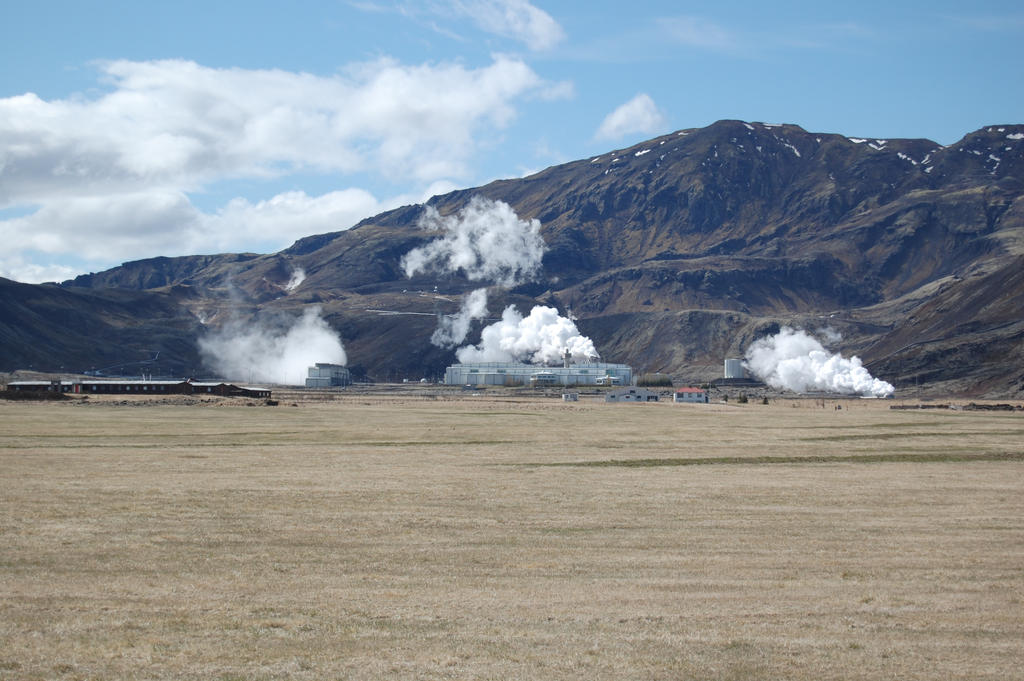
{"x":677,"y":251}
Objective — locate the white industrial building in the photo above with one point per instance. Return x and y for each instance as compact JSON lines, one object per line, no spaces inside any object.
{"x":515,"y":373}
{"x":325,"y":375}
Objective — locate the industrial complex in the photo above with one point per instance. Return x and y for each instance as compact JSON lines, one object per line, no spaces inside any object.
{"x":517,"y":373}
{"x":475,"y":375}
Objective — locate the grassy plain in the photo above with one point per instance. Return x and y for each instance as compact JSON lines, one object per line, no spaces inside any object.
{"x":483,"y":538}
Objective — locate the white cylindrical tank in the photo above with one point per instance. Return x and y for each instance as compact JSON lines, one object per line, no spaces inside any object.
{"x":734,"y":368}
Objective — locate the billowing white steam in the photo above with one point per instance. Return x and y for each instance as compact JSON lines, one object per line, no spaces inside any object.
{"x":254,"y":352}
{"x":486,"y":240}
{"x":453,"y":329}
{"x":793,"y":360}
{"x":541,"y":337}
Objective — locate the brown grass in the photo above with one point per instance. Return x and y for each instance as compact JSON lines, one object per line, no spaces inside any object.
{"x":379,"y":538}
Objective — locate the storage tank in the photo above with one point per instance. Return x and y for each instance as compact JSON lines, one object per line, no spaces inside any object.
{"x":734,"y":368}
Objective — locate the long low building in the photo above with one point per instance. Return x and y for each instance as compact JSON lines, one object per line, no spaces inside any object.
{"x":518,"y":374}
{"x":632,"y":395}
{"x":142,"y":387}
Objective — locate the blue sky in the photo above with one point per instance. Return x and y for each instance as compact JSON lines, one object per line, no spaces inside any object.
{"x":130,"y":130}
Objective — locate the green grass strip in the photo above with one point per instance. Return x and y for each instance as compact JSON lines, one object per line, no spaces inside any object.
{"x":900,"y":436}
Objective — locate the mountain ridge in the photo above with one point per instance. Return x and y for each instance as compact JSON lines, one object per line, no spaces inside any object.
{"x":696,"y":241}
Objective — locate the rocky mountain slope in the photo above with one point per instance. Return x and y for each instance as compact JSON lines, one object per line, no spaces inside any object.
{"x":673,"y":254}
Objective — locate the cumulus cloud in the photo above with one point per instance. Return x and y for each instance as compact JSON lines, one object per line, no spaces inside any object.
{"x":541,"y":337}
{"x":794,"y":360}
{"x":486,"y":240}
{"x":181,"y":124}
{"x":280,"y":220}
{"x":638,"y":115}
{"x":112,"y":177}
{"x":19,"y":268}
{"x":272,"y":353}
{"x":102,"y":227}
{"x":118,"y":227}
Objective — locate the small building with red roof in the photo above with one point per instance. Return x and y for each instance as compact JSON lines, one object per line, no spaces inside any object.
{"x":696,"y":395}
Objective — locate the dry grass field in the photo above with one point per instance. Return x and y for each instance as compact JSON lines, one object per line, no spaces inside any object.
{"x":485,"y":538}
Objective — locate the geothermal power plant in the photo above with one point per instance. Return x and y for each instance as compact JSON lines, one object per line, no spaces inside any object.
{"x":518,"y":374}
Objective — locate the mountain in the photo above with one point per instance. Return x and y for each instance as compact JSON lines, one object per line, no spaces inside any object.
{"x":673,"y":254}
{"x":54,"y":328}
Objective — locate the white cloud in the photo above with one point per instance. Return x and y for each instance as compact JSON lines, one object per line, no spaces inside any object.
{"x":438,"y":188}
{"x":99,"y":231}
{"x":111,"y":174}
{"x":16,"y":267}
{"x":286,"y":217}
{"x":515,"y":19}
{"x":97,"y":228}
{"x":179,"y":124}
{"x":638,"y":115}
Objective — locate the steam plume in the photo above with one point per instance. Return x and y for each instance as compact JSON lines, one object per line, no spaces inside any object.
{"x":486,"y":240}
{"x":454,"y":329}
{"x":541,"y":337}
{"x":259,"y":352}
{"x":298,"y":276}
{"x":793,"y":360}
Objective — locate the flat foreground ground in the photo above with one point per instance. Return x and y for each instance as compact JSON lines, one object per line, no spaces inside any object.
{"x":483,"y":538}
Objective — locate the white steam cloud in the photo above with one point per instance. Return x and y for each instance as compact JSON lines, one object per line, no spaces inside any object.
{"x":539,"y":338}
{"x":830,"y":335}
{"x":486,"y":240}
{"x":793,"y":360}
{"x":454,"y":329}
{"x":298,"y":276}
{"x":254,"y":352}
